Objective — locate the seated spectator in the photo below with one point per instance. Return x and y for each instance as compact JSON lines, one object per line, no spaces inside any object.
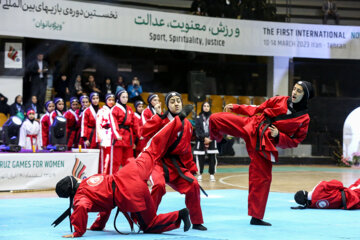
{"x":17,"y":109}
{"x":135,"y":90}
{"x":107,"y":87}
{"x":34,"y":105}
{"x":91,"y":85}
{"x":120,"y":85}
{"x":4,"y":107}
{"x":62,"y":87}
{"x":329,"y":8}
{"x":198,"y":7}
{"x":78,"y":88}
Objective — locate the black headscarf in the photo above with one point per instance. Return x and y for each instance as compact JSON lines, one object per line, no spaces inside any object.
{"x":206,"y":114}
{"x":308,"y":94}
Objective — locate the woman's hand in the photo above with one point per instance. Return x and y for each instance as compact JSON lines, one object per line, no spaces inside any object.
{"x":157,"y":108}
{"x":228,"y":108}
{"x":274,"y":131}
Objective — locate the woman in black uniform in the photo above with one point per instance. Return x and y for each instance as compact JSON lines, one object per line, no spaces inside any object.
{"x":202,"y":132}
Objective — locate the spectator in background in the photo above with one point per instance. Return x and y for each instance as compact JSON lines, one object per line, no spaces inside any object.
{"x":107,"y":87}
{"x":231,"y":8}
{"x":38,"y":77}
{"x":17,"y":109}
{"x":91,"y":85}
{"x":120,"y":85}
{"x":62,"y":88}
{"x":329,"y":8}
{"x":33,"y":104}
{"x":135,"y":90}
{"x":78,"y":88}
{"x":4,"y":107}
{"x":198,"y":7}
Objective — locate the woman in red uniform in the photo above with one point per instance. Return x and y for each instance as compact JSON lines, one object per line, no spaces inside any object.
{"x":153,"y":102}
{"x":330,"y":195}
{"x":125,"y":128}
{"x":59,"y":109}
{"x":126,"y":189}
{"x":139,"y":141}
{"x":281,"y":121}
{"x":72,"y":123}
{"x":85,"y":103}
{"x":45,"y":124}
{"x":178,"y":168}
{"x":105,"y":135}
{"x":154,"y":106}
{"x":88,"y":122}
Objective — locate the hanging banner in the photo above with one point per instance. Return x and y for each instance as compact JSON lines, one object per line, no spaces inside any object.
{"x":22,"y":171}
{"x":13,"y":55}
{"x":108,"y":24}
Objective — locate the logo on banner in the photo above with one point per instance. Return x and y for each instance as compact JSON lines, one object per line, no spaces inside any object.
{"x":78,"y":170}
{"x":13,"y":54}
{"x":95,"y":180}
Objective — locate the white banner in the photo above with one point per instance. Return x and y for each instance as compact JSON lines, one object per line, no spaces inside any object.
{"x":13,"y":55}
{"x":107,"y":24}
{"x":20,"y":171}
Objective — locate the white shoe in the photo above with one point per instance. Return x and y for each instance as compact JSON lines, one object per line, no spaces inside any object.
{"x":199,"y":178}
{"x":212,"y":178}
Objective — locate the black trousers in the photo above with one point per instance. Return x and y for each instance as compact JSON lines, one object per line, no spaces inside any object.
{"x":200,"y":162}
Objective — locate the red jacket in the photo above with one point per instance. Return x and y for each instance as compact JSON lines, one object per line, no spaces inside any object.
{"x":327,"y":195}
{"x":72,"y":126}
{"x":88,"y":125}
{"x":292,"y":127}
{"x":183,"y":149}
{"x":127,"y":130}
{"x":146,"y":115}
{"x":95,"y":194}
{"x":44,"y":129}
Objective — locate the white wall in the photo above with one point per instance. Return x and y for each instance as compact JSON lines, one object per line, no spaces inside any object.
{"x":11,"y":86}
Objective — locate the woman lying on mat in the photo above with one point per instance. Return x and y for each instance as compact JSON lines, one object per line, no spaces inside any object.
{"x":330,"y":195}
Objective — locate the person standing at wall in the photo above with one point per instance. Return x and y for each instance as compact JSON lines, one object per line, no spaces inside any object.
{"x":38,"y":76}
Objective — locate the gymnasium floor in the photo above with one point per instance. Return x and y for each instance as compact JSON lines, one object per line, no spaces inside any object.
{"x":29,"y":215}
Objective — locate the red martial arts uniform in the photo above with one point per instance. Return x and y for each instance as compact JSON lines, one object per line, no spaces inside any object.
{"x":166,"y":172}
{"x":123,"y":149}
{"x":145,"y":116}
{"x":44,"y":130}
{"x":88,"y":126}
{"x":260,"y":146}
{"x":54,"y":114}
{"x":105,"y":138}
{"x":95,"y":194}
{"x":140,"y":142}
{"x":72,"y":127}
{"x":327,"y":195}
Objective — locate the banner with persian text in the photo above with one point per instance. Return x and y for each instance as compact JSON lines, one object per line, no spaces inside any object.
{"x":24,"y":171}
{"x":107,"y":24}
